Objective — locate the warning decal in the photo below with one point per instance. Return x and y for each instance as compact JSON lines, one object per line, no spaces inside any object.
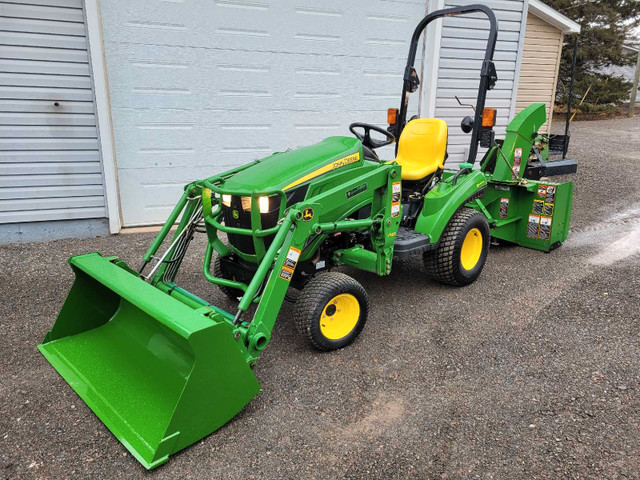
{"x":538,"y":206}
{"x":542,"y":191}
{"x":533,"y":226}
{"x":545,"y":228}
{"x":551,"y":194}
{"x":504,"y":207}
{"x":286,"y":273}
{"x":548,"y":208}
{"x":292,"y":258}
{"x":517,"y":161}
{"x":396,"y":195}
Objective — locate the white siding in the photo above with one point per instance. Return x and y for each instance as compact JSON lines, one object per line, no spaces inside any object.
{"x":200,"y":86}
{"x":461,"y":53}
{"x":50,"y":165}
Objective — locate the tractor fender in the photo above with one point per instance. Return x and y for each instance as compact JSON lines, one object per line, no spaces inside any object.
{"x":443,"y":201}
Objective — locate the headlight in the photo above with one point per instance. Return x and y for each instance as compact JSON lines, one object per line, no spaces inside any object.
{"x":226,"y":200}
{"x":263,"y":204}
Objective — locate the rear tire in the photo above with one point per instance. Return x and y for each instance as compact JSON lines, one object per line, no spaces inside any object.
{"x":331,"y":311}
{"x":462,"y":251}
{"x":218,"y":271}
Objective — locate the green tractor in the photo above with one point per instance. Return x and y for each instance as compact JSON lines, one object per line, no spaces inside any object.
{"x":163,"y":368}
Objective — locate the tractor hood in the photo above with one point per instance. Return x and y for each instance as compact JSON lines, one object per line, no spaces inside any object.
{"x":286,"y":170}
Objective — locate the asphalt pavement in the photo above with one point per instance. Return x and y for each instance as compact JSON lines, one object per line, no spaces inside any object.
{"x":531,"y":372}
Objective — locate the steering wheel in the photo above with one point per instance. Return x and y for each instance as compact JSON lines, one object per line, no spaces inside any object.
{"x":365,"y":137}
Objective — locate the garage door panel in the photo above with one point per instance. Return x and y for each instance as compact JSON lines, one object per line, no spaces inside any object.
{"x":39,"y":80}
{"x":54,"y":214}
{"x":40,"y":67}
{"x":43,"y":93}
{"x":51,"y":119}
{"x":42,"y":40}
{"x":42,"y":12}
{"x":48,"y":144}
{"x":50,"y":165}
{"x":31,"y":204}
{"x":47,"y":131}
{"x":50,"y":27}
{"x":223,"y":140}
{"x":198,"y":88}
{"x":69,"y":191}
{"x":45,"y":106}
{"x":44,"y":54}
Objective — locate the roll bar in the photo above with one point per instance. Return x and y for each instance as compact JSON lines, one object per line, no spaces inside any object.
{"x":488,"y":75}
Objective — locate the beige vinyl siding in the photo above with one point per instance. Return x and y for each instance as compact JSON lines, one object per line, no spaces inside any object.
{"x":540,"y":64}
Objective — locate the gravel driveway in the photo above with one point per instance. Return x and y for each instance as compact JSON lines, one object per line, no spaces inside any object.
{"x":531,"y":372}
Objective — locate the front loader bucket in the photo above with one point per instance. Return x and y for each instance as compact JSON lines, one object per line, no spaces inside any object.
{"x":157,"y":373}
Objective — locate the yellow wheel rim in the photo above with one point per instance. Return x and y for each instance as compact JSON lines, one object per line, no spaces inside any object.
{"x":471,"y":249}
{"x":339,"y":316}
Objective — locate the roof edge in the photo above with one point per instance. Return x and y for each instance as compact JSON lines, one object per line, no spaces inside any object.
{"x":552,"y":16}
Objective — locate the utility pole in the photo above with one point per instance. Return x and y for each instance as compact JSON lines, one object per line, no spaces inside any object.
{"x":634,"y":90}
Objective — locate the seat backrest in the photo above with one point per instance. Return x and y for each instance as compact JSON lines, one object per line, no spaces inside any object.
{"x":422,"y":148}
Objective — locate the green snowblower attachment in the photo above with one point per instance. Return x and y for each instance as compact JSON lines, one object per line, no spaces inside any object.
{"x":159,"y":374}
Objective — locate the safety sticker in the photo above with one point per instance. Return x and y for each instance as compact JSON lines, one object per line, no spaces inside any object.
{"x":396,"y":190}
{"x":548,"y":208}
{"x":545,"y":228}
{"x":538,"y":206}
{"x":517,"y":161}
{"x":533,"y":226}
{"x":551,"y":194}
{"x":504,"y":207}
{"x":542,"y":191}
{"x":286,"y":273}
{"x":396,"y":196}
{"x":395,"y":210}
{"x":292,"y":258}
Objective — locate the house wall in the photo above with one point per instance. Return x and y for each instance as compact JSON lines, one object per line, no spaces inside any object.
{"x":457,"y":68}
{"x":540,"y":65}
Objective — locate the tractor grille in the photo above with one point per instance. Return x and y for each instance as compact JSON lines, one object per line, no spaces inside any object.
{"x":239,"y":215}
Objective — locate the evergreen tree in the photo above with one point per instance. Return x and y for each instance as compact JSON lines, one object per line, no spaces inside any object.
{"x":606,"y":26}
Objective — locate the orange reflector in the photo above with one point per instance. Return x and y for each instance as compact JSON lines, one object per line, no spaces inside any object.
{"x":488,"y":117}
{"x":392,"y":116}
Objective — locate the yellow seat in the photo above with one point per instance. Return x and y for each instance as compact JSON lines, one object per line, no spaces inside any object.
{"x":422,"y":148}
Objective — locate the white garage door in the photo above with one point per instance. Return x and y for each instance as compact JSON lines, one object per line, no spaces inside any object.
{"x":49,"y":160}
{"x":199,"y":86}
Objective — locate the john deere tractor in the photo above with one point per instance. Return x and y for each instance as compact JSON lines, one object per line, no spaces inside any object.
{"x":163,"y":368}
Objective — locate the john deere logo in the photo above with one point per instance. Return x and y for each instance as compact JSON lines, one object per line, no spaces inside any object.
{"x":235,"y":214}
{"x":307,"y":214}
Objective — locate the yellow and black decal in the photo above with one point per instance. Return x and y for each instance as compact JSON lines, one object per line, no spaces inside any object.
{"x":548,"y":208}
{"x":341,"y":162}
{"x":538,"y":207}
{"x":307,"y":214}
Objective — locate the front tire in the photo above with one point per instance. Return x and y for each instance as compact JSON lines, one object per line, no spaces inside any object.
{"x":331,"y":311}
{"x":462,"y":251}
